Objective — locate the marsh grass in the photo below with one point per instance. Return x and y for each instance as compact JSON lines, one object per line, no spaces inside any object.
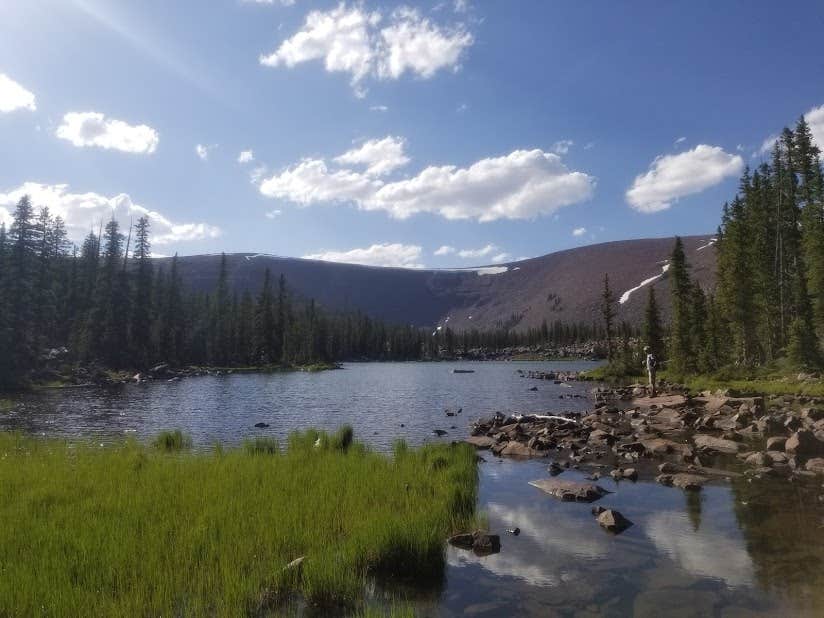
{"x":128,"y":530}
{"x":172,"y":441}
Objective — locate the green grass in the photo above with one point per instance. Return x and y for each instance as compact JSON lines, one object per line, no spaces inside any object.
{"x":776,"y":379}
{"x":172,"y":441}
{"x":130,"y":530}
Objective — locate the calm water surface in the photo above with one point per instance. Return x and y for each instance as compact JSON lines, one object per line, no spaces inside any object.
{"x":734,"y":549}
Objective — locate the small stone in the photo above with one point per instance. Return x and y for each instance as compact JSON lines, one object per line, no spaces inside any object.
{"x":613,"y":521}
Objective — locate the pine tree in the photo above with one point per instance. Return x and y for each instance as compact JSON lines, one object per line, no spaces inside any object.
{"x":20,"y":297}
{"x":608,"y":313}
{"x":141,"y":327}
{"x":221,"y":326}
{"x":266,"y":346}
{"x":681,"y":351}
{"x":653,"y":333}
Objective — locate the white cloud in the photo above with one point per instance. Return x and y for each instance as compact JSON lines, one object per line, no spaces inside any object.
{"x":562,"y":147}
{"x":579,"y":231}
{"x":394,"y":254}
{"x":521,"y":185}
{"x":500,"y":257}
{"x":380,"y":156}
{"x":274,"y":214}
{"x":350,"y":40}
{"x":477,"y":253}
{"x":461,"y":6}
{"x":815,"y":118}
{"x":462,"y":108}
{"x":680,"y":140}
{"x":84,"y":211}
{"x":671,"y":177}
{"x":13,"y":96}
{"x":246,"y":156}
{"x":84,"y":129}
{"x":203,"y":151}
{"x":378,"y":108}
{"x":444,"y":250}
{"x":412,"y":43}
{"x":311,"y":182}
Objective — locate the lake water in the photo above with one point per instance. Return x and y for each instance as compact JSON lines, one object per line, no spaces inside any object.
{"x":734,"y":549}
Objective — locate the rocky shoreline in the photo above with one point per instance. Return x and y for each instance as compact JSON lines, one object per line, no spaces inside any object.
{"x":680,"y":440}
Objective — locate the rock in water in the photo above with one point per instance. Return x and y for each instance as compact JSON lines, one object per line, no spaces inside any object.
{"x":480,"y":542}
{"x":690,"y":482}
{"x":711,"y":444}
{"x":480,"y":441}
{"x":613,"y":521}
{"x":815,"y":465}
{"x":570,"y":491}
{"x":804,"y":443}
{"x":261,"y":425}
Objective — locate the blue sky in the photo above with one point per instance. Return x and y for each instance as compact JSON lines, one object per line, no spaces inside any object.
{"x":383,"y":132}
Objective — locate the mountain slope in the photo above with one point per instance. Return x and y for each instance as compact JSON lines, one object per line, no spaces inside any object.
{"x":563,"y":286}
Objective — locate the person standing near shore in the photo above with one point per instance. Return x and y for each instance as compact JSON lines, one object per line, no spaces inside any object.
{"x":652,"y":365}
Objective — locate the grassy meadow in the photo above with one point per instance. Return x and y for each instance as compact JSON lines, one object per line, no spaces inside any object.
{"x":151,"y":530}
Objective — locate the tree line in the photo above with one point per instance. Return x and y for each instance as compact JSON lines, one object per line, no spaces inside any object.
{"x":107,"y":304}
{"x":768,"y":302}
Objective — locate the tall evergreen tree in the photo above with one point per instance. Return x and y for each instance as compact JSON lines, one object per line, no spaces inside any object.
{"x":653,"y":332}
{"x":681,"y":350}
{"x":141,"y":327}
{"x":608,"y":314}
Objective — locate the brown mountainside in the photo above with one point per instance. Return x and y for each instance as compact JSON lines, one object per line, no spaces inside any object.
{"x":564,"y":286}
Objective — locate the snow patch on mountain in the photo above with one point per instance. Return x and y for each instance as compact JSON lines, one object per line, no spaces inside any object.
{"x":625,"y":296}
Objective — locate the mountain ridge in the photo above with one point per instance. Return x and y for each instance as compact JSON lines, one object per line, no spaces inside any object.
{"x":561,"y":286}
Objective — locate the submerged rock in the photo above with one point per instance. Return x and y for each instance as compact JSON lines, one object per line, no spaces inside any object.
{"x":689,"y":482}
{"x":570,"y":491}
{"x":261,"y":425}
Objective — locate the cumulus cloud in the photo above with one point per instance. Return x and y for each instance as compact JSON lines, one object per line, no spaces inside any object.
{"x":274,"y":214}
{"x":246,"y":156}
{"x":84,"y":211}
{"x":13,"y":96}
{"x":500,"y":257}
{"x":579,"y":231}
{"x":671,"y":177}
{"x":521,"y":185}
{"x":84,"y":129}
{"x":352,"y":40}
{"x":444,"y":250}
{"x":311,"y":182}
{"x":379,"y":156}
{"x":388,"y":254}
